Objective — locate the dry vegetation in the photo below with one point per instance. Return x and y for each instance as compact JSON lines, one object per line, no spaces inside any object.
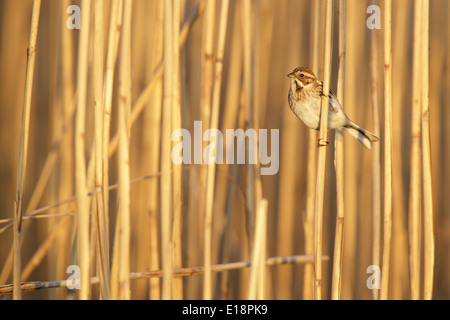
{"x":86,"y":119}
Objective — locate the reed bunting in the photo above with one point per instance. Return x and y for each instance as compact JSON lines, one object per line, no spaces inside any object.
{"x":305,"y":100}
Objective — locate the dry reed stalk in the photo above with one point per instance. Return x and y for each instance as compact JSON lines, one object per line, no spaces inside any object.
{"x":23,"y":147}
{"x":339,"y":162}
{"x":415,"y":182}
{"x":151,"y":154}
{"x":64,"y":184}
{"x":376,"y":166}
{"x":115,"y":264}
{"x":308,"y":220}
{"x":208,"y":30}
{"x":177,"y":221}
{"x":24,"y":133}
{"x":387,"y":150}
{"x":253,"y":180}
{"x":262,"y":274}
{"x":58,"y":253}
{"x":257,"y":274}
{"x":17,"y":290}
{"x":214,"y":123}
{"x":166,"y":181}
{"x":247,"y":90}
{"x":238,"y":174}
{"x":80,"y":161}
{"x":60,"y":250}
{"x":428,"y":218}
{"x":354,"y":56}
{"x":115,"y":24}
{"x":207,"y":82}
{"x":124,"y":107}
{"x":101,"y":225}
{"x":255,"y":96}
{"x":69,"y":102}
{"x":401,"y":76}
{"x":318,"y":214}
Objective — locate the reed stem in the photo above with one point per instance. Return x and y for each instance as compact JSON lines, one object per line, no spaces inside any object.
{"x":318,"y":214}
{"x":387,"y":150}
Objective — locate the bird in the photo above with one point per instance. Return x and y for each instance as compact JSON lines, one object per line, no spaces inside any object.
{"x":305,"y":100}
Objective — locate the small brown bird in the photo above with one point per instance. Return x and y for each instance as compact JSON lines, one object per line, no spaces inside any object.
{"x":305,"y":100}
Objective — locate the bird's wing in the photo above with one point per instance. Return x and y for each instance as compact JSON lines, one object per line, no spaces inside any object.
{"x":334,"y":105}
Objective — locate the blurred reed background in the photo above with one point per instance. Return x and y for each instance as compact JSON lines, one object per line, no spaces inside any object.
{"x":96,"y":187}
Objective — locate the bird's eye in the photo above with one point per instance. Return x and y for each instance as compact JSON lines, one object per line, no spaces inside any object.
{"x":301,"y":75}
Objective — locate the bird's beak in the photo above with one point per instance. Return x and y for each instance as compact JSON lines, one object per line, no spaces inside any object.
{"x":291,"y":75}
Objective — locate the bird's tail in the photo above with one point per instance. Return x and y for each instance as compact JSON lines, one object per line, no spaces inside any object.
{"x":362,"y":135}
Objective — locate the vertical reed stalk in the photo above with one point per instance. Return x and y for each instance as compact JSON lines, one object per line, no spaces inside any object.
{"x":339,"y":163}
{"x":262,"y":207}
{"x":115,"y":25}
{"x":152,"y":138}
{"x":318,"y":214}
{"x":308,"y":221}
{"x":207,"y":61}
{"x":177,"y":168}
{"x":23,"y":147}
{"x":151,"y":143}
{"x":255,"y":109}
{"x":401,"y":88}
{"x":414,"y":195}
{"x":253,"y":179}
{"x":257,"y":274}
{"x":65,"y":182}
{"x":207,"y":286}
{"x":376,"y":167}
{"x":124,"y":108}
{"x":26,"y":110}
{"x":80,"y":160}
{"x":207,"y":81}
{"x":166,"y":165}
{"x":353,"y":160}
{"x":387,"y":150}
{"x":102,"y":227}
{"x":17,"y":263}
{"x":426,"y":159}
{"x":250,"y":206}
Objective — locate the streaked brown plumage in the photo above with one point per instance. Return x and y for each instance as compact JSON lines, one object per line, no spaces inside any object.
{"x":305,"y":100}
